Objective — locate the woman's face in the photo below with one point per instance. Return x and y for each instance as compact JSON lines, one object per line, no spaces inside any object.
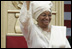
{"x":44,"y":18}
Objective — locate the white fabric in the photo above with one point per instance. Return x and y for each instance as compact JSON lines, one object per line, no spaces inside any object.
{"x":37,"y":7}
{"x":34,"y":36}
{"x":36,"y":39}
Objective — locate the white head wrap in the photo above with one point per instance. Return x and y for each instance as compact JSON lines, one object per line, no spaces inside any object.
{"x":37,"y":7}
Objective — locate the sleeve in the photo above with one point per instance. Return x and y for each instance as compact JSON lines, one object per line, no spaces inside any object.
{"x":67,"y":44}
{"x":25,"y":19}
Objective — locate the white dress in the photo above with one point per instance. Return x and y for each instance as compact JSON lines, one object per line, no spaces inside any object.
{"x":37,"y":38}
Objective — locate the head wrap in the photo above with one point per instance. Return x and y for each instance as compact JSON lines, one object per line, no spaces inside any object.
{"x":37,"y":7}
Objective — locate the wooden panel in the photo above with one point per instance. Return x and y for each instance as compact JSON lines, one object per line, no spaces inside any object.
{"x":54,"y":5}
{"x":4,"y":24}
{"x":11,"y":22}
{"x":53,"y":20}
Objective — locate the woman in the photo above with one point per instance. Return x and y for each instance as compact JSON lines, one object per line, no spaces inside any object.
{"x":41,"y":35}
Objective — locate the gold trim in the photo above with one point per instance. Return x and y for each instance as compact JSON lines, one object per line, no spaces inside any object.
{"x":18,"y":11}
{"x":17,"y":27}
{"x":17,"y":15}
{"x":13,"y":34}
{"x":13,"y":11}
{"x":17,"y":4}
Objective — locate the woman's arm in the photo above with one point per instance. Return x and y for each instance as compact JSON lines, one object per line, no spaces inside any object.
{"x":25,"y":20}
